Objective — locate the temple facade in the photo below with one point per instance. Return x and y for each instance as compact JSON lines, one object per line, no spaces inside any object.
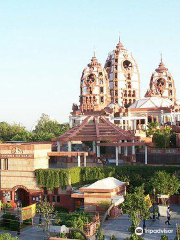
{"x":114,"y":92}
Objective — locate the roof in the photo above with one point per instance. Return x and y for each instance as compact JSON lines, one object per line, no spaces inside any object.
{"x":104,"y":185}
{"x":152,"y":102}
{"x":95,"y":128}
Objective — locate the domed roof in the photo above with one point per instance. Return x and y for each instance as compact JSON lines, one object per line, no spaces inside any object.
{"x":152,"y":102}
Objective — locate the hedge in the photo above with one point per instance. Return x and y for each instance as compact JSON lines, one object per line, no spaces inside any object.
{"x":136,"y":175}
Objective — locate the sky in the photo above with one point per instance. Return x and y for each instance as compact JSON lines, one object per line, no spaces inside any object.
{"x":45,"y":45}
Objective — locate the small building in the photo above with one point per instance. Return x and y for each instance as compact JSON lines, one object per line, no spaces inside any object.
{"x":103,"y":192}
{"x":18,"y":162}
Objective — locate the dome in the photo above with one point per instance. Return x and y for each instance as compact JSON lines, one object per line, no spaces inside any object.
{"x":152,"y":102}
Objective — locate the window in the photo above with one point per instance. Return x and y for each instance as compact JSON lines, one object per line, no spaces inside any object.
{"x":45,"y":191}
{"x":54,"y":198}
{"x":4,"y":164}
{"x":115,"y":75}
{"x":58,"y":198}
{"x":101,"y":89}
{"x":56,"y":191}
{"x":102,"y":99}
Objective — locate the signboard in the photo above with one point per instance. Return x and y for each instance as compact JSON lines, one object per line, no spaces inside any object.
{"x":16,"y":156}
{"x":28,"y":212}
{"x":147,"y":199}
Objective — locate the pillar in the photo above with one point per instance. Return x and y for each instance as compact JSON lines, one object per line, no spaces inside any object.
{"x":117,"y":156}
{"x":133,"y":149}
{"x":79,"y":161}
{"x":84,"y":160}
{"x":94,"y":147}
{"x":134,"y":125}
{"x":126,"y":124}
{"x":58,"y":146}
{"x":146,"y":154}
{"x":119,"y":148}
{"x":98,"y":150}
{"x":70,"y":122}
{"x":125,"y":149}
{"x":69,"y":147}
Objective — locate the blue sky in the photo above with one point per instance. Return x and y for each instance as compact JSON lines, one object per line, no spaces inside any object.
{"x":45,"y":44}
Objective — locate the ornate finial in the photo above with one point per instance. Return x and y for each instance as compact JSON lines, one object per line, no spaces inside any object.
{"x":119,"y":38}
{"x":161,"y":56}
{"x":94,"y":51}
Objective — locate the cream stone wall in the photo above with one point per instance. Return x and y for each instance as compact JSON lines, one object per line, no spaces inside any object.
{"x":23,"y":160}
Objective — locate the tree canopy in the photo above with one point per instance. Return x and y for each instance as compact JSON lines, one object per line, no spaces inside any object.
{"x":164,"y":183}
{"x":45,"y":129}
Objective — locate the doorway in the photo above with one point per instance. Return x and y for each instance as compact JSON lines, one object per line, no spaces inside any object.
{"x":22,"y":196}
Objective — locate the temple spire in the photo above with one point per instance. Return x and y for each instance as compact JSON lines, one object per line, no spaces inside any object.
{"x":161,"y":56}
{"x":94,"y":52}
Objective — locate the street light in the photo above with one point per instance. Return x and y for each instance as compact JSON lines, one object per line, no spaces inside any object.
{"x":154,"y":192}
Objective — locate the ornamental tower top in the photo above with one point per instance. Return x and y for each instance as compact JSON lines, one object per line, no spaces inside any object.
{"x":94,"y":87}
{"x":124,"y":77}
{"x":162,"y":84}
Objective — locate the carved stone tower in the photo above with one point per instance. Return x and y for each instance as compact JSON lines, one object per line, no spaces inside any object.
{"x":94,"y":88}
{"x":124,"y":77}
{"x":162,"y":84}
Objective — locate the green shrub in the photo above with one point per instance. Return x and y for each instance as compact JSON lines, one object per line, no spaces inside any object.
{"x":7,"y":205}
{"x":164,"y":237}
{"x":10,"y":221}
{"x":60,"y":209}
{"x":7,"y":236}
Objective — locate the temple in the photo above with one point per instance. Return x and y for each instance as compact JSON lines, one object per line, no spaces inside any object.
{"x":114,"y":92}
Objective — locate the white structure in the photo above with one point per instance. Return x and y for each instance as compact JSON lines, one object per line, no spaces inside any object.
{"x":124,"y":77}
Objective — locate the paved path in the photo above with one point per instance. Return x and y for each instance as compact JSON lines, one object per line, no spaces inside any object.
{"x":119,"y":226}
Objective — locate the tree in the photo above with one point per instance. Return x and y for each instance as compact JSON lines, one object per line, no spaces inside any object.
{"x":151,"y":129}
{"x":164,"y":183}
{"x":9,"y":131}
{"x":162,"y":137}
{"x":47,"y":128}
{"x":136,"y":207}
{"x":7,"y":236}
{"x":47,"y":210}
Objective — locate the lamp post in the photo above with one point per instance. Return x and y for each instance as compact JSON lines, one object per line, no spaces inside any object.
{"x":18,"y":219}
{"x":113,"y":204}
{"x":154,"y":192}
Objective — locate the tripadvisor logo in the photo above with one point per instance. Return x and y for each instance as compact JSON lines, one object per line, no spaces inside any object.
{"x":138,"y":231}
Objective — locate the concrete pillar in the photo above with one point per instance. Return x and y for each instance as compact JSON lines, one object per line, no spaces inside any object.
{"x":133,"y":149}
{"x":69,"y":147}
{"x":126,"y":124}
{"x":79,"y":161}
{"x":98,"y":150}
{"x":119,"y":148}
{"x":134,"y":125}
{"x":117,"y":156}
{"x":70,"y":122}
{"x":84,"y":160}
{"x":58,"y":146}
{"x":94,"y":147}
{"x":125,"y":149}
{"x":146,"y":154}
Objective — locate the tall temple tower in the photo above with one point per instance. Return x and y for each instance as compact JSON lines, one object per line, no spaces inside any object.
{"x":124,"y":77}
{"x":94,"y":87}
{"x":162,"y":84}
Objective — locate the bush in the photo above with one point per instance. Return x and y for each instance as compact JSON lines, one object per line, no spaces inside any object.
{"x":9,"y":221}
{"x":60,"y":209}
{"x":7,"y":236}
{"x":164,"y":237}
{"x":7,"y":205}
